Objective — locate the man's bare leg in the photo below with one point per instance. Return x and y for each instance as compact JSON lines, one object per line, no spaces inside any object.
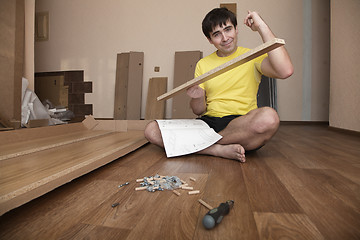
{"x":247,"y":132}
{"x":230,"y":151}
{"x":252,"y":130}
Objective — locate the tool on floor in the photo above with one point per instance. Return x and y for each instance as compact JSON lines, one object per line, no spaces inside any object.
{"x":115,"y":205}
{"x":121,"y":185}
{"x":215,"y":215}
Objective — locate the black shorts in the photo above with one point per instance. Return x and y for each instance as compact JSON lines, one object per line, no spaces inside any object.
{"x":218,"y":123}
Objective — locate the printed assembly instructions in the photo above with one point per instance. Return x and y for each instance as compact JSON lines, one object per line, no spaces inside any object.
{"x":185,"y":136}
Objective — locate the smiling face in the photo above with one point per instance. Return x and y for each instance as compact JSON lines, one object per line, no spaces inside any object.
{"x":224,"y":38}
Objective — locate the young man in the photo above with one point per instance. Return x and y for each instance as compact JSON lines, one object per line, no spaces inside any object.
{"x":227,"y":103}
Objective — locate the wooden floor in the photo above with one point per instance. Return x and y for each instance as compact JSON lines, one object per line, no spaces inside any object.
{"x":304,"y":184}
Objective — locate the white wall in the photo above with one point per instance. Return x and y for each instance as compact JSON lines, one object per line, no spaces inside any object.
{"x":87,"y":34}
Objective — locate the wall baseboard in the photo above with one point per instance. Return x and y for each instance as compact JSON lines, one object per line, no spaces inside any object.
{"x":347,"y":131}
{"x":304,"y":123}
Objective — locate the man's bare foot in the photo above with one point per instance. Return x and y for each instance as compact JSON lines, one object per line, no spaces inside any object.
{"x":231,"y":151}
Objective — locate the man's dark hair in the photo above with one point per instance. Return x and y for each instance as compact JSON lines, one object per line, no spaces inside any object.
{"x":217,"y":17}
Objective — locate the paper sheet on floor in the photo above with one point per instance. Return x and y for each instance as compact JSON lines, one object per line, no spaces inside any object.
{"x":185,"y":136}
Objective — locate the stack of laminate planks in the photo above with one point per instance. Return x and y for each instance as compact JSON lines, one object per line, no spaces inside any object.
{"x":36,"y":161}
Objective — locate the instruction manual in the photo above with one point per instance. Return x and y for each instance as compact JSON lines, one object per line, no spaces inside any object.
{"x":185,"y":136}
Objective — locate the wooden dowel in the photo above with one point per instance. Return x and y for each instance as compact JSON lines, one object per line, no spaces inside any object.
{"x":205,"y":204}
{"x":176,"y":192}
{"x":253,"y":53}
{"x":192,"y":179}
{"x":194,"y":192}
{"x":140,"y":188}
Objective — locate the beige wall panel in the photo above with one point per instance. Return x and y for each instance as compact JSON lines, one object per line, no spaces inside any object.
{"x":288,"y":25}
{"x":344,"y":74}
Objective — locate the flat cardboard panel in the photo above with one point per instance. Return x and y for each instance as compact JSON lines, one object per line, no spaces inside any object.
{"x":128,"y":85}
{"x":185,"y":63}
{"x":66,"y":89}
{"x":122,"y":74}
{"x":11,"y":62}
{"x":156,"y":109}
{"x":52,"y":88}
{"x":136,"y":62}
{"x":229,"y":6}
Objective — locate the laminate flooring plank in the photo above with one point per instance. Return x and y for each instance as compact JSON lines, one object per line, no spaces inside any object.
{"x":55,"y":213}
{"x":330,"y":201}
{"x":131,"y":167}
{"x":84,"y":231}
{"x":317,"y":147}
{"x":286,"y":226}
{"x":20,"y":148}
{"x":226,"y":182}
{"x":266,"y":192}
{"x":339,"y":146}
{"x":323,"y":137}
{"x":322,"y":156}
{"x":197,"y":163}
{"x":299,"y":155}
{"x":126,"y":214}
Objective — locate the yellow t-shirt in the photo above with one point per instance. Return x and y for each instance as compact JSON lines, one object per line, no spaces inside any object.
{"x":233,"y":92}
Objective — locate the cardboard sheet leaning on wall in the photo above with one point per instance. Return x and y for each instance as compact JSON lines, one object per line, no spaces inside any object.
{"x":32,"y":108}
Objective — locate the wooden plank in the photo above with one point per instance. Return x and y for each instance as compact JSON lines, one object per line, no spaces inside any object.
{"x":13,"y":150}
{"x":27,"y":177}
{"x":36,"y":166}
{"x":253,"y":53}
{"x":155,"y":109}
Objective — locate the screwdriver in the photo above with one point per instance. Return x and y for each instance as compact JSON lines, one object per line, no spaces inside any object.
{"x":214,"y":216}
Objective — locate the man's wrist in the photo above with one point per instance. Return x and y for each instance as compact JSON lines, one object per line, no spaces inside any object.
{"x":265,"y":32}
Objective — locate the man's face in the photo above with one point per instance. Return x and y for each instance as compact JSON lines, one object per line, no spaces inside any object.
{"x":224,"y":38}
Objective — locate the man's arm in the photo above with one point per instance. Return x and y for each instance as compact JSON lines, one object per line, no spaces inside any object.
{"x":197,"y":102}
{"x":278,"y":63}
